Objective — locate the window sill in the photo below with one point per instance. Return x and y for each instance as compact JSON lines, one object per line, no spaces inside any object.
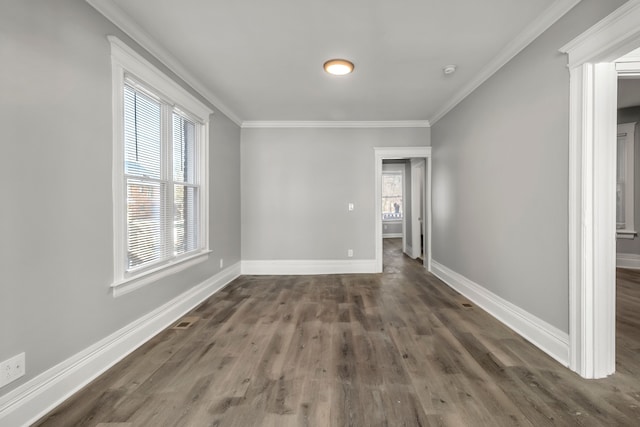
{"x":626,"y":234}
{"x":129,"y":284}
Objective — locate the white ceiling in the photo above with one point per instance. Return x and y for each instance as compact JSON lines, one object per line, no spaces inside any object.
{"x":262,"y":60}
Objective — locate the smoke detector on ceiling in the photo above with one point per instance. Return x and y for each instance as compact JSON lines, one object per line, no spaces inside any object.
{"x":449,"y":69}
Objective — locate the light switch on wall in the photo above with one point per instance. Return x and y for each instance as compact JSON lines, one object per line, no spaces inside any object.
{"x":350,"y":206}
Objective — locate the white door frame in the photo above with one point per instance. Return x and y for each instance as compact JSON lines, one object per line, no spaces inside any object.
{"x":592,"y":168}
{"x":416,"y":209}
{"x":387,"y":153}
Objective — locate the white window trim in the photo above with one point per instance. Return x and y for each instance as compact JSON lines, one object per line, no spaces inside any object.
{"x":126,"y":62}
{"x":395,"y":169}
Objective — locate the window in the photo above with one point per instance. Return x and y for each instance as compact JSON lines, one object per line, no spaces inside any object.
{"x":624,"y":181}
{"x":159,"y":173}
{"x":392,"y":206}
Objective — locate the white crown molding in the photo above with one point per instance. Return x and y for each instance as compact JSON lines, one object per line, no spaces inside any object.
{"x":546,"y":337}
{"x":337,"y":124}
{"x":30,"y":401}
{"x":306,"y":267}
{"x":609,"y":39}
{"x":130,"y":27}
{"x":554,"y":12}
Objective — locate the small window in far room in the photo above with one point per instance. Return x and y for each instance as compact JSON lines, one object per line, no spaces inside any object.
{"x":392,"y":204}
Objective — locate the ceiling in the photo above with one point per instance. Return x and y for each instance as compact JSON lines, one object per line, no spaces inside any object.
{"x":262,"y":60}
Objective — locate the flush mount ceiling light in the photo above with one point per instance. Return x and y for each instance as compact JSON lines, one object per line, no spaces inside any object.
{"x":338,"y":67}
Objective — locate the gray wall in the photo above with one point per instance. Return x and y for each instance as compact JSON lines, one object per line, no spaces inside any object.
{"x":500,"y":176}
{"x":630,"y":115}
{"x":391,"y":227}
{"x":55,"y":173}
{"x":296,"y":184}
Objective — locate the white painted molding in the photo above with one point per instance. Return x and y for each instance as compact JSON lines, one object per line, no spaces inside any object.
{"x":628,"y":261}
{"x":633,"y":56}
{"x":120,"y":19}
{"x":546,"y":337}
{"x":248,"y":124}
{"x":395,"y":153}
{"x":418,"y":169}
{"x":626,"y":234}
{"x":554,"y":12}
{"x":32,"y":400}
{"x":611,"y":38}
{"x":391,"y":235}
{"x":307,"y":267}
{"x":592,"y":131}
{"x":125,"y":286}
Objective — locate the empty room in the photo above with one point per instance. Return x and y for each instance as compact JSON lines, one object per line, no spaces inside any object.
{"x":329,"y":213}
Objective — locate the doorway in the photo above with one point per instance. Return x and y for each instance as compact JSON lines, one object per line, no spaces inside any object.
{"x":424,"y":242}
{"x":592,"y":186}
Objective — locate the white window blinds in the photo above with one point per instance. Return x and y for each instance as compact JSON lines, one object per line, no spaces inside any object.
{"x":161,"y":179}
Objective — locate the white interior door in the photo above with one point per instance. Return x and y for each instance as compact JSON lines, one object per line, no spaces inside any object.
{"x":417,"y":206}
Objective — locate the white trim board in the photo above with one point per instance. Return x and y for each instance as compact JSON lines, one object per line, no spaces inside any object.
{"x":546,"y":337}
{"x":391,"y":235}
{"x":592,"y":169}
{"x":248,"y":124}
{"x":554,"y":12}
{"x":628,"y":261}
{"x":30,"y":401}
{"x":307,"y":267}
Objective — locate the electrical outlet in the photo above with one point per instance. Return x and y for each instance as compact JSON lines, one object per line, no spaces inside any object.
{"x":12,"y":369}
{"x":221,"y":263}
{"x":350,"y":253}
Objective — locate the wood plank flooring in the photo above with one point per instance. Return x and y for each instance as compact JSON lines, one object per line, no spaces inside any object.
{"x":393,"y":349}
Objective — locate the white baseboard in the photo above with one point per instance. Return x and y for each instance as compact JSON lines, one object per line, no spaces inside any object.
{"x":304,"y":267}
{"x":30,"y":401}
{"x":546,"y":337}
{"x":628,"y":260}
{"x":391,"y":235}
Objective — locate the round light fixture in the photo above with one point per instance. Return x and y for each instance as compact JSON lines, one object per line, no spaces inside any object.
{"x":338,"y":67}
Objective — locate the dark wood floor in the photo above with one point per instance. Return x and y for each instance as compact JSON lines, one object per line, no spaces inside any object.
{"x":394,"y":349}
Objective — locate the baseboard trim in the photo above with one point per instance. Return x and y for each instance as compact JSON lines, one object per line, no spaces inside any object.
{"x":628,"y":261}
{"x":391,"y":235}
{"x":305,"y":267}
{"x":546,"y":337}
{"x":32,"y":400}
